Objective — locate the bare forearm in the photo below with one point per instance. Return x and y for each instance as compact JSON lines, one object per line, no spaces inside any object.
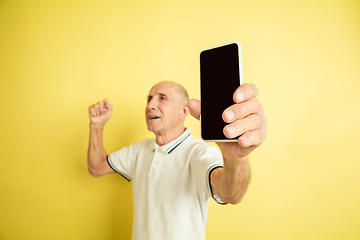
{"x":234,"y":180}
{"x":96,"y":152}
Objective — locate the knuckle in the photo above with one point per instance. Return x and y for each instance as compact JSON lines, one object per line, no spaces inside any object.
{"x":240,"y":111}
{"x":257,"y":120}
{"x":92,"y":112}
{"x":261,"y":135}
{"x":240,"y":128}
{"x":256,"y":104}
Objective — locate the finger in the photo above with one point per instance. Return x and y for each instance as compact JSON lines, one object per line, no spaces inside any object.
{"x":97,"y":109}
{"x":245,"y":92}
{"x":252,"y":138}
{"x":195,"y":108}
{"x":92,"y":111}
{"x":107,"y":104}
{"x":101,"y":108}
{"x":255,"y":137}
{"x":241,"y":110}
{"x":238,"y":127}
{"x":108,"y":107}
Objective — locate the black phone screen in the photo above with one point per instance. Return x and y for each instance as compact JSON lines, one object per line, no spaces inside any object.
{"x":219,"y":78}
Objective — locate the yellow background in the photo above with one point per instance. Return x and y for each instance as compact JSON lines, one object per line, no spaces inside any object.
{"x":58,"y":57}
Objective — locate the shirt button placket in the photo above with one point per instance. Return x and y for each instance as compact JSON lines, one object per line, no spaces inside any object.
{"x":154,"y":162}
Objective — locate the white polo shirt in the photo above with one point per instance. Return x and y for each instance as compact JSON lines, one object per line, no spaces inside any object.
{"x":171,"y":187}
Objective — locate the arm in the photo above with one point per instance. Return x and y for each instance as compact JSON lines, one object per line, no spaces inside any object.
{"x":245,"y":118}
{"x":97,"y":157}
{"x":231,"y":182}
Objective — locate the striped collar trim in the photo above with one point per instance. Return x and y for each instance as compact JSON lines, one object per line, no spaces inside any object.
{"x":169,"y":147}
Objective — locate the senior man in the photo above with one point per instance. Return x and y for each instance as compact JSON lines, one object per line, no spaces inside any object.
{"x":175,"y":174}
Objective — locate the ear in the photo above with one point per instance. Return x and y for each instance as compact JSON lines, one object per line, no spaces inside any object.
{"x":184,"y":111}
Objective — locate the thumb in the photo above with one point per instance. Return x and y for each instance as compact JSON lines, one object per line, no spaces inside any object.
{"x":108,"y":106}
{"x":195,"y":108}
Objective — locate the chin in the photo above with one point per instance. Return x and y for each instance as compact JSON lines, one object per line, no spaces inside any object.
{"x":152,"y":129}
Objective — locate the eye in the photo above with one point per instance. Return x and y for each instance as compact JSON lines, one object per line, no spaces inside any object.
{"x":149,"y":99}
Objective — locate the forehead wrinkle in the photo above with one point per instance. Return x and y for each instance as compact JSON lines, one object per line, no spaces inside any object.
{"x":163,"y":94}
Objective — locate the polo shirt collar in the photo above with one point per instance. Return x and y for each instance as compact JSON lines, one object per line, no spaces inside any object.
{"x":169,"y":147}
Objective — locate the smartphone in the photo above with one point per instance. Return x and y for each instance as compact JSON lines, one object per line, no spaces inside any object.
{"x":221,"y":73}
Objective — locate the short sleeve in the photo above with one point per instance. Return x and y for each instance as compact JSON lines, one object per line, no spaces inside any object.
{"x":214,"y":194}
{"x":208,"y":158}
{"x":123,"y":161}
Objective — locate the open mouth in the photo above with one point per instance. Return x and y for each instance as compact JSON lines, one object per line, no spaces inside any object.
{"x":153,"y":117}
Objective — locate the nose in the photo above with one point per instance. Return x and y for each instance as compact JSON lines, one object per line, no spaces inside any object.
{"x":152,"y":104}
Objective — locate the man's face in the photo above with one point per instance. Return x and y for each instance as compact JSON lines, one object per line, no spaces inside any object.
{"x":164,"y":109}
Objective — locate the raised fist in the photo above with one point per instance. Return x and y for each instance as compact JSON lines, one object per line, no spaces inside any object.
{"x":100,"y":112}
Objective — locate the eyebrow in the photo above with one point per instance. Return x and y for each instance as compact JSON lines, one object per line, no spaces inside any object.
{"x":161,"y":95}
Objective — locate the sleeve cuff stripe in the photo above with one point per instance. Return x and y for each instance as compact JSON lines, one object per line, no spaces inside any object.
{"x":116,"y":170}
{"x":209,"y":184}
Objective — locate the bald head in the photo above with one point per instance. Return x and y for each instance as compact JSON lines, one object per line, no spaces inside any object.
{"x":178,"y":89}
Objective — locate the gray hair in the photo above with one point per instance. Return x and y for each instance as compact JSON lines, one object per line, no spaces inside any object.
{"x":183,"y":94}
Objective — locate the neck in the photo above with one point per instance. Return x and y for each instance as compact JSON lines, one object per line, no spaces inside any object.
{"x":162,"y":139}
